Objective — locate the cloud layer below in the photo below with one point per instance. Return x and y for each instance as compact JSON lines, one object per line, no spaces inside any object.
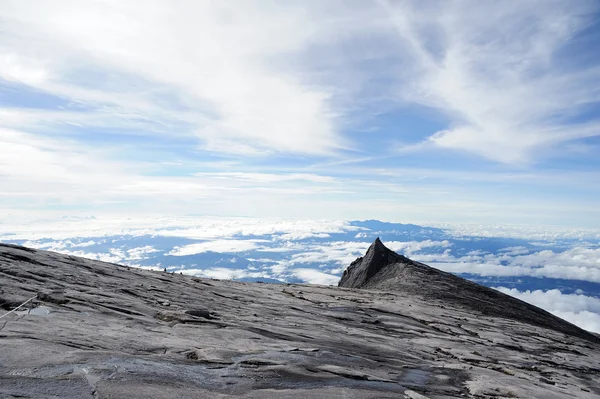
{"x":317,"y":251}
{"x":578,"y":309}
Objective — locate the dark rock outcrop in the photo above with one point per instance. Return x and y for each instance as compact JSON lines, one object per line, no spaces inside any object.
{"x":383,"y":269}
{"x":362,"y":271}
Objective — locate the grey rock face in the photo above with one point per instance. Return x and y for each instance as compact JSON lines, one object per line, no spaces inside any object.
{"x":383,"y":269}
{"x":100,"y":330}
{"x":360,"y":272}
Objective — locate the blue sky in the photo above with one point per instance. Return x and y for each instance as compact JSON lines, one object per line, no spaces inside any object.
{"x":424,"y":111}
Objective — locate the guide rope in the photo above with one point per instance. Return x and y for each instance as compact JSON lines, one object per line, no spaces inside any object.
{"x":17,"y":308}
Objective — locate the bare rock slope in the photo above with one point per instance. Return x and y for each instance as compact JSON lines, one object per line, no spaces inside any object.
{"x":383,"y":269}
{"x":100,"y":330}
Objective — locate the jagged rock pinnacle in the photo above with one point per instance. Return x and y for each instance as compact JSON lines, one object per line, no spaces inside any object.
{"x":383,"y":269}
{"x":359,"y":273}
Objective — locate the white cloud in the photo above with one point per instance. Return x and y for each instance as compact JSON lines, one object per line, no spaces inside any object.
{"x":217,"y":59}
{"x":494,"y":69}
{"x":584,"y":319}
{"x":581,"y":310}
{"x":217,"y":246}
{"x":301,"y":236}
{"x":47,"y":162}
{"x":491,"y":68}
{"x":218,"y":273}
{"x":584,"y":257}
{"x":210,"y":228}
{"x":312,"y":276}
{"x":345,"y":252}
{"x":217,"y":77}
{"x":581,"y":262}
{"x":26,"y":226}
{"x":409,"y":248}
{"x":577,"y":263}
{"x":59,"y":245}
{"x":221,"y":273}
{"x":520,"y":250}
{"x":113,"y":256}
{"x":140,"y":252}
{"x":528,"y":232}
{"x":268,"y":177}
{"x":341,"y":252}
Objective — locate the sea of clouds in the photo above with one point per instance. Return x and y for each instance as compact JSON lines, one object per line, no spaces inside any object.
{"x":555,"y":269}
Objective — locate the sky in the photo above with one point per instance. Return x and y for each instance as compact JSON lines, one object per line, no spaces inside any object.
{"x":410,"y":111}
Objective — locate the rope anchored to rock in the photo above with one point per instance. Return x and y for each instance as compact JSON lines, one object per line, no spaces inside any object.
{"x":18,"y":307}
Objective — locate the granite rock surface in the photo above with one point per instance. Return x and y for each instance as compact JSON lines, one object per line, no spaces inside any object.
{"x":383,"y":269}
{"x":100,"y":330}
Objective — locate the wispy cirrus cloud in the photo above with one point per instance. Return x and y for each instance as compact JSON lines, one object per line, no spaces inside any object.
{"x":297,"y":108}
{"x":498,"y":71}
{"x":210,"y":58}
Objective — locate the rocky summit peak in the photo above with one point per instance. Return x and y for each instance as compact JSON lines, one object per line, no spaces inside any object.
{"x":383,"y":269}
{"x":378,"y":248}
{"x":359,"y":273}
